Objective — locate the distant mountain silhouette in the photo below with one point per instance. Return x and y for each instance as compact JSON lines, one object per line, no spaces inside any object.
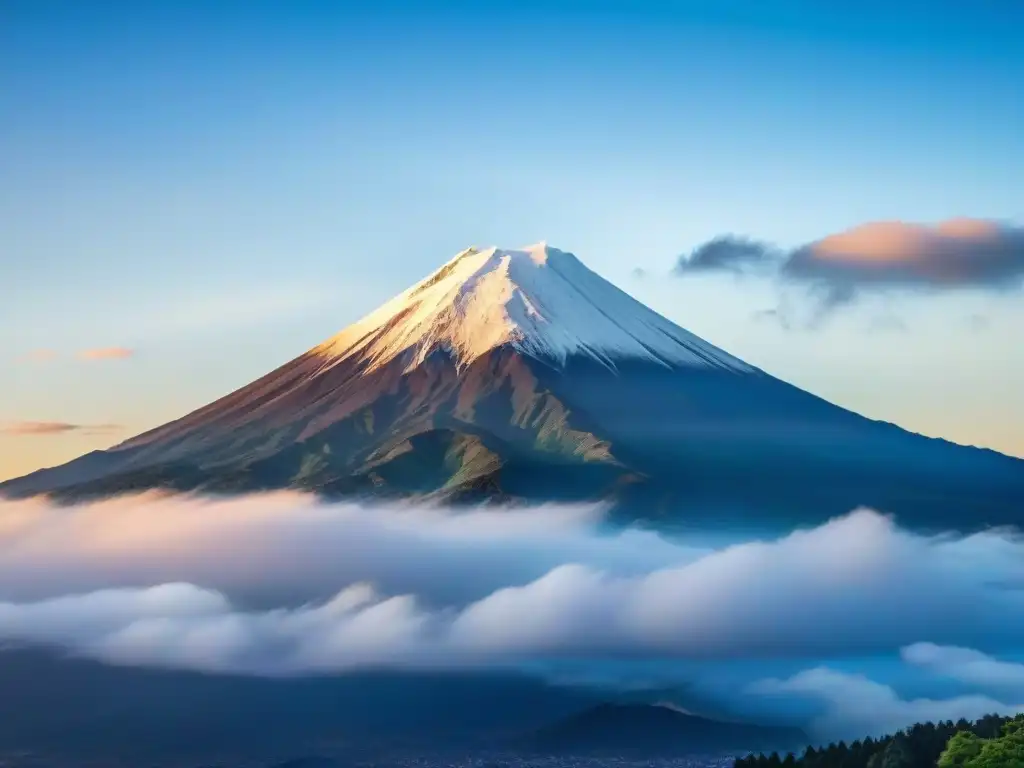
{"x":309,"y":762}
{"x":76,"y":709}
{"x":656,"y":731}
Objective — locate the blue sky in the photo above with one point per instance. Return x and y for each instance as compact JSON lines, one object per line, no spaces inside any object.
{"x":220,"y":186}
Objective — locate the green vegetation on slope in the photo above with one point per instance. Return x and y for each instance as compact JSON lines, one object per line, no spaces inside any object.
{"x":991,"y":742}
{"x":966,"y":750}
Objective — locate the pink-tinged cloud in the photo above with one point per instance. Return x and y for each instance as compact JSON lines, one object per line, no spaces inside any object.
{"x":106,"y":353}
{"x":27,"y":428}
{"x":951,"y":253}
{"x":957,"y":253}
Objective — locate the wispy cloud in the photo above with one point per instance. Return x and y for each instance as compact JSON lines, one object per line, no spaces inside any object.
{"x":106,"y":353}
{"x":954,"y":254}
{"x":39,"y":428}
{"x":26,"y":428}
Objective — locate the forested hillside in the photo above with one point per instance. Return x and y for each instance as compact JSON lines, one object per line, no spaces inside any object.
{"x":987,"y":743}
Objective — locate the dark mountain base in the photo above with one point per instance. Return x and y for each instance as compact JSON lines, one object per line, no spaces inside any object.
{"x":78,"y":709}
{"x":648,"y":731}
{"x":74,"y":712}
{"x":672,"y":447}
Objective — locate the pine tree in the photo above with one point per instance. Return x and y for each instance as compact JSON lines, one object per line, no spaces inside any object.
{"x":897,"y":754}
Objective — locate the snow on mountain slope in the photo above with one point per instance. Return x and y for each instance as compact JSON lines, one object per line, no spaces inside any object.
{"x":542,"y":301}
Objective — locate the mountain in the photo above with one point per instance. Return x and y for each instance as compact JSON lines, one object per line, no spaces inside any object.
{"x":523,"y":375}
{"x":658,"y":731}
{"x":173,"y":717}
{"x":151,"y":716}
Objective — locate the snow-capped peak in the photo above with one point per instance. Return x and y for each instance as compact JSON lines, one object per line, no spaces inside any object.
{"x":542,"y":301}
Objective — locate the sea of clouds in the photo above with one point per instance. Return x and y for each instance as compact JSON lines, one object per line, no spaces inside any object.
{"x":282,"y":584}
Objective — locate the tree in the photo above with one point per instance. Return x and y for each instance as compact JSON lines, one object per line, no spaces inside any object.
{"x":961,"y":749}
{"x":1004,"y":752}
{"x":897,"y":754}
{"x":1014,"y":727}
{"x":966,"y":750}
{"x":991,"y":742}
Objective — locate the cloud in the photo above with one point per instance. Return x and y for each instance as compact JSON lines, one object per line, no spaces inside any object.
{"x":728,"y":252}
{"x":958,"y":253}
{"x":39,"y":428}
{"x":251,"y":548}
{"x":855,"y":706}
{"x":26,"y":428}
{"x":966,"y":665}
{"x":280,"y":584}
{"x":106,"y":353}
{"x":954,"y":253}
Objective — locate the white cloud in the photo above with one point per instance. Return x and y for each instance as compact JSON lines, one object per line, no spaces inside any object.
{"x":281,"y":583}
{"x":966,"y":665}
{"x":288,"y":548}
{"x":855,"y":706}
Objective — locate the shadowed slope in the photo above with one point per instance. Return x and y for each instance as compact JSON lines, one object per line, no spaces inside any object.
{"x":637,"y":730}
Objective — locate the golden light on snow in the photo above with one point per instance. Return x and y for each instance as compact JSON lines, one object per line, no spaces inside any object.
{"x":539,"y":299}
